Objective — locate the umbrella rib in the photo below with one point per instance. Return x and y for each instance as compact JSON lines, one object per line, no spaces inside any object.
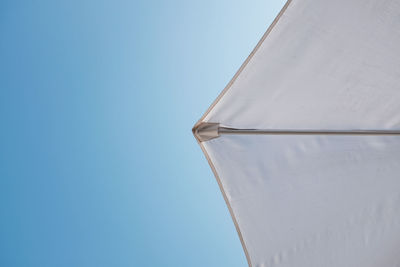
{"x":234,"y":131}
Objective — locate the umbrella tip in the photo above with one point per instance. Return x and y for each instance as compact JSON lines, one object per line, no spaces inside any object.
{"x":205,"y":131}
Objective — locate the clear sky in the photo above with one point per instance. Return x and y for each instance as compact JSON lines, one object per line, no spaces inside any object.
{"x":98,"y":165}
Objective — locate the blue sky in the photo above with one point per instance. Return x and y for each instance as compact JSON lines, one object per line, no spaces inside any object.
{"x":98,"y":166}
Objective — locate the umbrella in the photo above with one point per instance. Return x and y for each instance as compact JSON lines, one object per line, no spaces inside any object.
{"x":304,"y":141}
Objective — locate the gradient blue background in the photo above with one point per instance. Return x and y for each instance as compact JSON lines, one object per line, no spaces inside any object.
{"x":98,"y":165}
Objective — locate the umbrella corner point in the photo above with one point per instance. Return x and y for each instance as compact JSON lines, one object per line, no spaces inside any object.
{"x":204,"y":131}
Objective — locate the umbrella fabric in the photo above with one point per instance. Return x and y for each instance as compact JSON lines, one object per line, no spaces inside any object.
{"x":315,"y":199}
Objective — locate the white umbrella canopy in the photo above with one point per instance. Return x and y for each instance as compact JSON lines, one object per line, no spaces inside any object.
{"x":305,"y":139}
